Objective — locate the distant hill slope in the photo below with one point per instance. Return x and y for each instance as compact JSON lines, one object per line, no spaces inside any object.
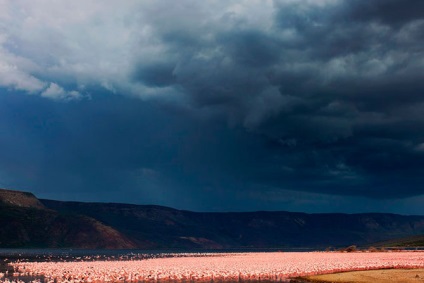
{"x":29,"y":222}
{"x":407,"y":242}
{"x":162,"y":227}
{"x":20,"y":199}
{"x":26,"y":223}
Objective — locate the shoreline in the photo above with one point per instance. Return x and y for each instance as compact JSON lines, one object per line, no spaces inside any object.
{"x":382,"y":275}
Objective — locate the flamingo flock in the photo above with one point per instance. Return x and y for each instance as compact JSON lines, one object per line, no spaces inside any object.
{"x":271,"y":266}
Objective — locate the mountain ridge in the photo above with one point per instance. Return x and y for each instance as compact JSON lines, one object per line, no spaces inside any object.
{"x":118,"y":225}
{"x":19,"y":198}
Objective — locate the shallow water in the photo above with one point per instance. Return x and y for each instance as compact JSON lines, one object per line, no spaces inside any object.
{"x":10,"y":255}
{"x":87,"y":252}
{"x":166,"y":263}
{"x":74,"y":255}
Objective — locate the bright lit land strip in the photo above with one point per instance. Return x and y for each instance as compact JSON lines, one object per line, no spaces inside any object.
{"x":374,"y":276}
{"x":276,"y":266}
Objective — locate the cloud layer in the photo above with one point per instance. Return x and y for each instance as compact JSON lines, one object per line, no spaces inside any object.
{"x":327,"y":96}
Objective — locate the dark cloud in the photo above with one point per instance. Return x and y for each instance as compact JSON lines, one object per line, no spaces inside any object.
{"x":127,"y":149}
{"x":329,"y":85}
{"x":316,"y":99}
{"x":156,"y":75}
{"x":251,"y":48}
{"x":391,"y":12}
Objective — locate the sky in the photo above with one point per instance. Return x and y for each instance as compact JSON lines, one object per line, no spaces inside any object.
{"x":215,"y":105}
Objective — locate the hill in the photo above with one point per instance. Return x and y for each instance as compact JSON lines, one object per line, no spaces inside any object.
{"x":19,"y":199}
{"x":163,"y":227}
{"x":406,"y":242}
{"x":29,"y":222}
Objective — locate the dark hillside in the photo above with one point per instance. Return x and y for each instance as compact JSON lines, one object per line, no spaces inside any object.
{"x":406,"y":242}
{"x":26,"y":223}
{"x":162,"y":227}
{"x":29,"y":222}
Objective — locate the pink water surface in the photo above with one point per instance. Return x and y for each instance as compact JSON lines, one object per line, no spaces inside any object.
{"x":275,"y":266}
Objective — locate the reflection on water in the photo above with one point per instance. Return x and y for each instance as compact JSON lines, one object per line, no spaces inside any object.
{"x":132,"y":252}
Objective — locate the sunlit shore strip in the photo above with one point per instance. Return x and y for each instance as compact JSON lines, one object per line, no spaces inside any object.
{"x":276,"y":266}
{"x":374,"y":276}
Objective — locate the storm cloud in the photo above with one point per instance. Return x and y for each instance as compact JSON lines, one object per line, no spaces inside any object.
{"x":244,"y":99}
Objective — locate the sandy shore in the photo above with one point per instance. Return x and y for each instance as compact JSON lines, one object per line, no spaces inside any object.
{"x":375,"y":276}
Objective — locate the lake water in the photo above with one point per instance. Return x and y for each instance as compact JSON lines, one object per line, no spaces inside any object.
{"x":53,"y":255}
{"x":82,"y":254}
{"x":12,"y":255}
